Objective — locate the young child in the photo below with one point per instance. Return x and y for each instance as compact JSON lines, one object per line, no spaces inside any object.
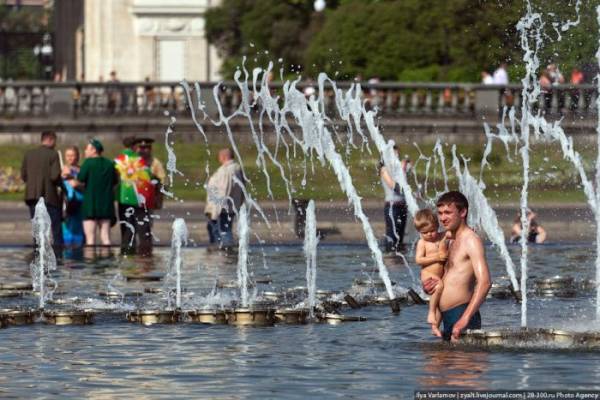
{"x":431,"y":255}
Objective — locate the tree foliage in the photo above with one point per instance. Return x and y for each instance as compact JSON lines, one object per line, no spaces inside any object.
{"x":25,"y":19}
{"x":260,"y":30}
{"x":409,"y":40}
{"x":21,"y":29}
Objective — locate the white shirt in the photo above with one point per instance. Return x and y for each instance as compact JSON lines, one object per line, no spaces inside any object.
{"x":488,"y":80}
{"x":500,"y":77}
{"x":224,"y":190}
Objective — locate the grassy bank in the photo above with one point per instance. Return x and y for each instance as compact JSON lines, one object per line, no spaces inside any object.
{"x":553,"y":180}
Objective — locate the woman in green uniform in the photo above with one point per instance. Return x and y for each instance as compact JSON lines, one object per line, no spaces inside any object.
{"x":99,"y":177}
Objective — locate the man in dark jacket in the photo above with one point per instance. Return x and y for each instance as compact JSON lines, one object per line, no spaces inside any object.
{"x":41,"y":173}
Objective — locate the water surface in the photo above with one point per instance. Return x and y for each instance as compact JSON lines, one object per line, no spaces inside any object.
{"x":386,"y":356}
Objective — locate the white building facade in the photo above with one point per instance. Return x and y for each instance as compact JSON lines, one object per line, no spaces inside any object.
{"x":159,"y":40}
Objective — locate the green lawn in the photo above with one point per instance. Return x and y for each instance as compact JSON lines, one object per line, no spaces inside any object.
{"x":553,"y":179}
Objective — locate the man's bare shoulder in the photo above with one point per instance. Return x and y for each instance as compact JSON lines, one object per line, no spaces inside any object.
{"x":471,"y":238}
{"x":473,"y":242}
{"x":471,"y":234}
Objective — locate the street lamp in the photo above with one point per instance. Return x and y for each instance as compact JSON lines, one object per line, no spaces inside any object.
{"x":319,"y":5}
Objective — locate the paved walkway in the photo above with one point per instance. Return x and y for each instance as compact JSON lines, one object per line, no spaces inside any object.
{"x":563,"y":222}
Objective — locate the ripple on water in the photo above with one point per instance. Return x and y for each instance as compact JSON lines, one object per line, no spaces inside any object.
{"x":385,"y":356}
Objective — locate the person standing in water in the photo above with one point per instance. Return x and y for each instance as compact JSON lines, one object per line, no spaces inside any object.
{"x":41,"y":173}
{"x":467,"y":276}
{"x":73,"y":222}
{"x":431,"y":254}
{"x":395,"y":210}
{"x":135,"y":197}
{"x":149,"y":191}
{"x":99,"y":178}
{"x":536,"y":233}
{"x":224,"y":197}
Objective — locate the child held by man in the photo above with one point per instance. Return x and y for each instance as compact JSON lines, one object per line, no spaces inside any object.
{"x":431,"y":255}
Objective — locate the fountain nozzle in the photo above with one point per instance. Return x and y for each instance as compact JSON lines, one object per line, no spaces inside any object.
{"x":516,"y":294}
{"x":395,"y":305}
{"x":351,"y":301}
{"x":415,"y":297}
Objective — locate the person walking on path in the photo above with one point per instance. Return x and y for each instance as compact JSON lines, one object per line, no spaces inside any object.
{"x":41,"y":173}
{"x":72,"y":226}
{"x":224,"y":197}
{"x":99,"y":177}
{"x":395,"y":210}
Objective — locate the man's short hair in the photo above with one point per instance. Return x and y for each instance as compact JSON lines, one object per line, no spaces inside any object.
{"x":129,"y":141}
{"x":48,"y":135}
{"x":453,"y":197}
{"x":425,"y":218}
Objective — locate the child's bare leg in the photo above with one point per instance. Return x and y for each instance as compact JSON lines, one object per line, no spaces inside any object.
{"x":434,"y":316}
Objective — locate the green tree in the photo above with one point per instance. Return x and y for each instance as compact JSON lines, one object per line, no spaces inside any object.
{"x":372,"y":39}
{"x":24,"y":19}
{"x":263,"y":31}
{"x":574,"y":47}
{"x":409,"y":40}
{"x":414,"y":40}
{"x":20,"y":31}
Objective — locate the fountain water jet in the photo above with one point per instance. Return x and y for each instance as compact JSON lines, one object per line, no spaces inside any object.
{"x":311,"y":241}
{"x":242,"y":270}
{"x":482,"y":214}
{"x":310,"y":117}
{"x":530,"y":25}
{"x":178,"y":239}
{"x":45,"y":260}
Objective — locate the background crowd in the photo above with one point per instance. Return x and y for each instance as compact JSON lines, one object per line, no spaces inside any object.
{"x":87,"y":192}
{"x":81,"y":197}
{"x":550,"y":77}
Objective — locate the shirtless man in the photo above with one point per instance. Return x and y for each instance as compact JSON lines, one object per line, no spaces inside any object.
{"x":467,"y":277}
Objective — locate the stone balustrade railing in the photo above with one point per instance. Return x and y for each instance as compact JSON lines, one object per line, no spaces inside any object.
{"x":392,"y":99}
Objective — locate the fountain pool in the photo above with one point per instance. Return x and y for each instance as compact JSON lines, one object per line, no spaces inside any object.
{"x":385,"y":356}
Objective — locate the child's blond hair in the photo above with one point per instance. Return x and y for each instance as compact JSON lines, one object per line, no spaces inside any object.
{"x":425,"y":218}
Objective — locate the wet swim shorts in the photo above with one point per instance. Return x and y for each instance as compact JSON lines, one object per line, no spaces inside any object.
{"x":449,"y":317}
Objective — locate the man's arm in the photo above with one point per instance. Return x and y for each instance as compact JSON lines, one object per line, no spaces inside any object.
{"x":516,"y":230}
{"x":116,"y":177}
{"x":385,"y":175}
{"x":474,"y":249}
{"x":82,"y":177}
{"x":541,"y":235}
{"x":158,"y":170}
{"x":430,"y":283}
{"x":55,"y":169}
